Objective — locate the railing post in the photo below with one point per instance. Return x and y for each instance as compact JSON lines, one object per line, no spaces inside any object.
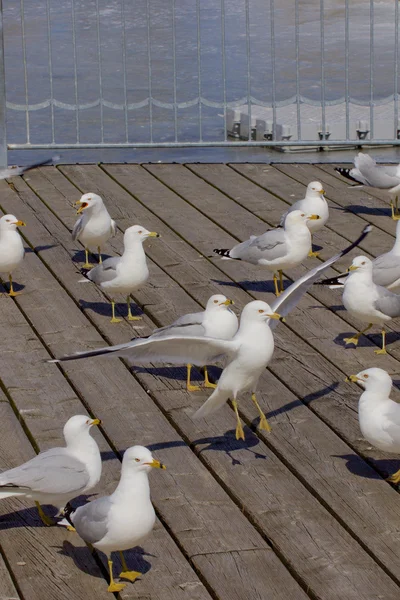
{"x":3,"y":134}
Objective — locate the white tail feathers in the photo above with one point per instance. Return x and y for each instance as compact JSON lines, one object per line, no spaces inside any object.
{"x":217,"y":399}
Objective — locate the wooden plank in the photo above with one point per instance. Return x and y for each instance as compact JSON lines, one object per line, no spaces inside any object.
{"x":174,"y":408}
{"x":186,"y":497}
{"x":7,"y":588}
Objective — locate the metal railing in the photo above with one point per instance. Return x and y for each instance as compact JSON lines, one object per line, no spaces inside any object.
{"x":145,"y":73}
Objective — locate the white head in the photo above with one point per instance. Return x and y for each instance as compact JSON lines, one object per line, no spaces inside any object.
{"x":77,"y":427}
{"x":361,"y":264}
{"x":258,"y":312}
{"x":218,"y":302}
{"x":88,"y":202}
{"x":136,"y":234}
{"x":10,"y":223}
{"x":139,"y":458}
{"x":373,"y":380}
{"x":315,"y":189}
{"x":297,"y":217}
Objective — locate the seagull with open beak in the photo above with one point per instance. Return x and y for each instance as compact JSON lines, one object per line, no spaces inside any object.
{"x":11,"y":247}
{"x":94,"y":226}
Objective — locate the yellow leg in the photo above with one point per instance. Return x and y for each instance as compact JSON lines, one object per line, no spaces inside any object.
{"x":263,"y":419}
{"x":70,"y":528}
{"x":277,"y":292}
{"x":239,"y":428}
{"x":189,"y":386}
{"x":395,"y":209}
{"x":12,"y":293}
{"x":45,"y":519}
{"x":354,"y":339}
{"x":114,"y":318}
{"x":87,"y":264}
{"x":126,"y":574}
{"x":99,"y":251}
{"x":207,"y":382}
{"x":383,"y":349}
{"x":281,"y":280}
{"x":114,"y":587}
{"x":131,"y":317}
{"x":312,"y":254}
{"x":395,"y":478}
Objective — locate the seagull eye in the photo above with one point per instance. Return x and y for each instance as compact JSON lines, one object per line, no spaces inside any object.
{"x":137,"y":459}
{"x":261,"y":310}
{"x":8,"y":220}
{"x":215,"y":301}
{"x":140,"y":231}
{"x":363,"y":262}
{"x":365,"y":376}
{"x":303,"y":215}
{"x":88,"y":422}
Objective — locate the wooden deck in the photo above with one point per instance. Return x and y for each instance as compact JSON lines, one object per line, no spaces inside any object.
{"x":302,"y":512}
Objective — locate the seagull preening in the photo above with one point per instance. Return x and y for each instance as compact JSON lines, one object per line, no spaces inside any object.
{"x":124,"y":274}
{"x":383,"y":177}
{"x":217,"y":321}
{"x":247,"y":353}
{"x":378,"y":415}
{"x":313,"y":203}
{"x":12,"y":249}
{"x":94,"y":226}
{"x":276,"y":249}
{"x":58,"y":475}
{"x":125,"y":518}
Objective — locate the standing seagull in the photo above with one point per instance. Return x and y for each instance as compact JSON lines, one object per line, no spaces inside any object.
{"x":313,"y":203}
{"x":378,"y":415}
{"x":368,"y":173}
{"x":217,"y":321}
{"x":94,"y":227}
{"x":60,"y":474}
{"x":124,"y":274}
{"x":11,"y":247}
{"x":276,"y":249}
{"x":124,"y":519}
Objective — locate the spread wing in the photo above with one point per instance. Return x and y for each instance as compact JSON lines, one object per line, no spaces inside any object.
{"x":268,"y":246}
{"x":375,"y":175}
{"x":77,"y":230}
{"x":106,"y":271}
{"x":90,"y":520}
{"x":191,"y":324}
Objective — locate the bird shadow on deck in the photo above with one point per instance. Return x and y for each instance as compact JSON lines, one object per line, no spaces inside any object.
{"x":252,"y":286}
{"x":371,"y":469}
{"x":374,"y":340}
{"x":80,"y":257}
{"x":359,"y":209}
{"x":38,"y":249}
{"x":104,"y":308}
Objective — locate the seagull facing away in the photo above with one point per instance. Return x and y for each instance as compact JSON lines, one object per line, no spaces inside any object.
{"x":12,"y":249}
{"x":60,"y":474}
{"x":313,"y":203}
{"x":276,"y":249}
{"x":217,"y":321}
{"x":383,"y":177}
{"x":385,"y":269}
{"x":124,"y":519}
{"x":94,"y":226}
{"x":247,"y":353}
{"x":367,"y":301}
{"x":124,"y":274}
{"x":378,"y":415}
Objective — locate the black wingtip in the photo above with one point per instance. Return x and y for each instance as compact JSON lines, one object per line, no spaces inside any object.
{"x":222,"y":252}
{"x":85,"y":272}
{"x":345,"y":173}
{"x":67,"y":512}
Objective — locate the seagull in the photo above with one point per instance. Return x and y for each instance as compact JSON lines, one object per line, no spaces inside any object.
{"x":124,"y":519}
{"x":385,"y":269}
{"x":12,"y":249}
{"x":60,"y":474}
{"x":378,"y":415}
{"x":276,"y":249}
{"x":124,"y":274}
{"x":313,"y":203}
{"x":13,"y":171}
{"x":217,"y":321}
{"x":367,"y":301}
{"x":368,"y":173}
{"x":94,"y":226}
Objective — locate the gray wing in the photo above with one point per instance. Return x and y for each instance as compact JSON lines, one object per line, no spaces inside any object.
{"x":106,"y":271}
{"x":77,"y":230}
{"x":190,"y":324}
{"x":388,"y":303}
{"x":375,"y":175}
{"x":292,"y":296}
{"x":386,"y":269}
{"x":53,"y":471}
{"x":268,"y":246}
{"x":91,"y":520}
{"x":9,"y":172}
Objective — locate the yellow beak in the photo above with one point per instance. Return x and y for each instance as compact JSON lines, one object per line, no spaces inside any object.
{"x":157,"y":464}
{"x":352,"y":268}
{"x":314,"y":217}
{"x":275,"y":316}
{"x":96,"y":422}
{"x":322,"y":192}
{"x":82,"y":207}
{"x":20,"y":224}
{"x":227,"y":302}
{"x":352,"y":379}
{"x":153,"y":234}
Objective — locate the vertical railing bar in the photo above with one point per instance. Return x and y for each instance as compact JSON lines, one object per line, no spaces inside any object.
{"x":100,"y":72}
{"x":75,"y":72}
{"x":3,"y":130}
{"x":50,"y":69}
{"x":272,"y":29}
{"x":322,"y":26}
{"x":149,"y":70}
{"x":174,"y":68}
{"x":396,"y":67}
{"x":371,"y":69}
{"x":124,"y":69}
{"x":297,"y":43}
{"x":28,"y":135}
{"x":223,"y":53}
{"x":199,"y":70}
{"x":346,"y":66}
{"x":248,"y":61}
